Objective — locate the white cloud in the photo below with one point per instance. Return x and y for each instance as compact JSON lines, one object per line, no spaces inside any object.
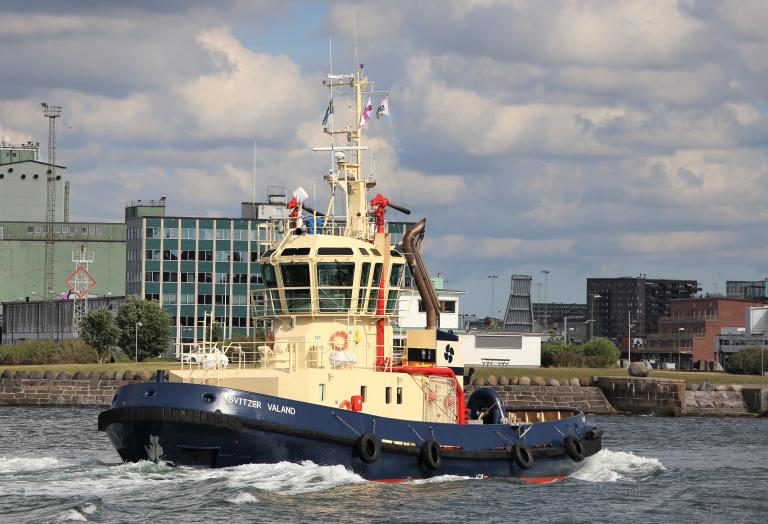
{"x":251,"y":94}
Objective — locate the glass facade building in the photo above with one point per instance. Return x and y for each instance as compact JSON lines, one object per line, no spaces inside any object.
{"x":195,"y":266}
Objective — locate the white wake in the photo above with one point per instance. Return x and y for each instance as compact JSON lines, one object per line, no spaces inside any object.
{"x":614,"y":466}
{"x":22,"y":464}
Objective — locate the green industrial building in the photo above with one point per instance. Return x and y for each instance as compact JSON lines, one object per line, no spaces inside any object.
{"x":23,"y":233}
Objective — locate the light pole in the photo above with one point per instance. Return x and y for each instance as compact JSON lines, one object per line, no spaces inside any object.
{"x":592,"y":298}
{"x":136,"y":339}
{"x":681,"y":332}
{"x":546,"y":307}
{"x":493,"y":301}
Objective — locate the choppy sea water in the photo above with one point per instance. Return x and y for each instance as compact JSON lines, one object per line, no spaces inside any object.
{"x":55,"y":467}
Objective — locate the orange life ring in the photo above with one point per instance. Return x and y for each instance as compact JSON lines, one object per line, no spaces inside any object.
{"x":339,"y":340}
{"x":345,"y":404}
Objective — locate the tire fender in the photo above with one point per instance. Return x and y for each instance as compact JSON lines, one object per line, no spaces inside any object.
{"x":430,"y":454}
{"x":522,"y":455}
{"x":574,"y":448}
{"x":368,"y":448}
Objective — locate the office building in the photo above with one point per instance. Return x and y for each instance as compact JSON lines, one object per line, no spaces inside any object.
{"x":196,"y":266}
{"x":612,"y":303}
{"x":747,"y":288}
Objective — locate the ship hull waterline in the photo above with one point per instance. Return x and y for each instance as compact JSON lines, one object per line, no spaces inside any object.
{"x":211,"y":426}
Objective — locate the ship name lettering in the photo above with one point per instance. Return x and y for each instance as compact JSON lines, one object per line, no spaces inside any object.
{"x":281,"y":409}
{"x":246,"y":402}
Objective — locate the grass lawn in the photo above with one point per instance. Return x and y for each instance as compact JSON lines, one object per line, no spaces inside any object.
{"x":120,"y":366}
{"x":558,"y":373}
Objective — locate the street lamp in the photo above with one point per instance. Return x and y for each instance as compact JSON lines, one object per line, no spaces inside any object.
{"x":493,"y":301}
{"x":680,"y":332}
{"x":136,"y":339}
{"x":592,"y":315}
{"x":546,"y":300}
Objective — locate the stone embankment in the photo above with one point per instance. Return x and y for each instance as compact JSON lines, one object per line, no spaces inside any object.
{"x":662,"y":396}
{"x":536,"y":392}
{"x":50,"y":388}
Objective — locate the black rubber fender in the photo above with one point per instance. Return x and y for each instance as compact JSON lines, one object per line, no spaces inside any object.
{"x":430,"y":454}
{"x":368,"y":448}
{"x":594,"y":433}
{"x":574,"y":448}
{"x":522,"y":455}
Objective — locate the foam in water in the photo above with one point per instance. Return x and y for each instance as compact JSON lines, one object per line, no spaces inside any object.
{"x":613,"y":466}
{"x":242,"y":498}
{"x":439,"y":479}
{"x":22,"y":464}
{"x":287,"y":478}
{"x":72,"y":515}
{"x":89,"y":509}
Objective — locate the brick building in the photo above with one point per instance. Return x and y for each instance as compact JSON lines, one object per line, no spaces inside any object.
{"x":686,"y":337}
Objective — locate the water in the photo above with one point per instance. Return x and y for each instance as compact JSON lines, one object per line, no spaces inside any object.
{"x":55,"y":467}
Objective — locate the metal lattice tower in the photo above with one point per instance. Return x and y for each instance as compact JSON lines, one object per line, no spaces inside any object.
{"x":52,"y":113}
{"x":80,"y":282}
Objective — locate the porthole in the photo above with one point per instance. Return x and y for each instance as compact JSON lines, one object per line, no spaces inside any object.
{"x":2,"y":175}
{"x":23,"y":177}
{"x":10,"y":170}
{"x":36,"y":176}
{"x":58,"y":177}
{"x":48,"y":172}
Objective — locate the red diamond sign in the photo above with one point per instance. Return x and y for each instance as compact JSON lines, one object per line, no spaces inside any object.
{"x":81,"y":281}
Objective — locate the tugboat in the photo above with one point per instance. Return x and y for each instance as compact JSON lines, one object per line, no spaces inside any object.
{"x":327,"y":383}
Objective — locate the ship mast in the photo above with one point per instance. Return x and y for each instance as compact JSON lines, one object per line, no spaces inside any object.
{"x":349,"y":173}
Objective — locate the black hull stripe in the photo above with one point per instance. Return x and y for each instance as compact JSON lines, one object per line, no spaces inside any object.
{"x":235,"y":424}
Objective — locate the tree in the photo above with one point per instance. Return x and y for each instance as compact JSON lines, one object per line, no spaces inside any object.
{"x":214,"y":332}
{"x":153,"y":333}
{"x":99,"y":331}
{"x":747,"y":361}
{"x":600,"y":353}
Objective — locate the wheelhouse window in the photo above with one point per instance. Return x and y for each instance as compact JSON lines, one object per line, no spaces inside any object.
{"x":365,"y":273}
{"x":296,"y":284}
{"x":375,"y":282}
{"x":334,"y":281}
{"x":394,"y":283}
{"x":270,"y":282}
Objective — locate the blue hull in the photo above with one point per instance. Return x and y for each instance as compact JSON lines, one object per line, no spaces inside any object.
{"x":209,"y":426}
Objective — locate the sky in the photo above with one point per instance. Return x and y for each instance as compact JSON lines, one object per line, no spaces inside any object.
{"x":586,"y":138}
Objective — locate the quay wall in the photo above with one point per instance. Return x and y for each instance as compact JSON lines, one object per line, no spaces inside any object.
{"x":601,"y":395}
{"x":643,"y":396}
{"x":63,"y":389}
{"x":588,"y":399}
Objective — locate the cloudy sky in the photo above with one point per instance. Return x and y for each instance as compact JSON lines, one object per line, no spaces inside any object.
{"x":589,"y":138}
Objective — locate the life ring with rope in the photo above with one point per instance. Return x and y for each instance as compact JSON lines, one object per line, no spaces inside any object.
{"x":345,"y":404}
{"x":339,"y":340}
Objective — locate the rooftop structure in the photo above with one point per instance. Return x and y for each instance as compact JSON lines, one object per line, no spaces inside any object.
{"x":518,"y":317}
{"x":747,"y":288}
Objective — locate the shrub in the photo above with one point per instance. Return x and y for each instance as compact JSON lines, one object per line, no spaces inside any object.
{"x":569,"y":358}
{"x":73,"y":351}
{"x":549,"y":351}
{"x":29,"y":352}
{"x":600,"y":353}
{"x":746,"y":362}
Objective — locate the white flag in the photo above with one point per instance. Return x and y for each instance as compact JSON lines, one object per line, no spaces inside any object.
{"x":383,"y":109}
{"x":300,"y":195}
{"x":366,"y":112}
